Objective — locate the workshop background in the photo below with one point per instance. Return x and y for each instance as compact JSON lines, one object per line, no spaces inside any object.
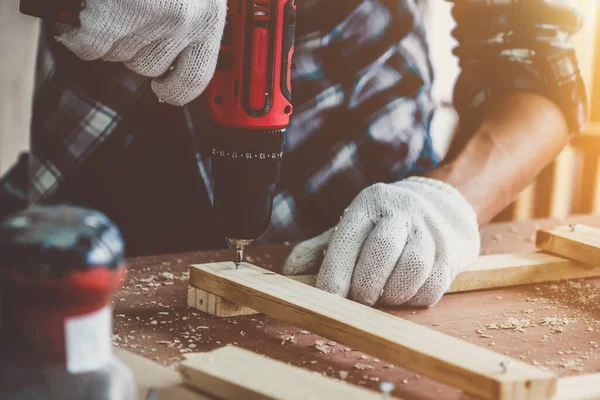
{"x":570,"y":185}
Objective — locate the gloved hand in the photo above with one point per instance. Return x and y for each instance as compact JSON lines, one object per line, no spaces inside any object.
{"x":150,"y":37}
{"x":397,"y":244}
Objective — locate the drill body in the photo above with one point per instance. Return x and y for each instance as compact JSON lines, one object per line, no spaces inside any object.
{"x":250,"y":103}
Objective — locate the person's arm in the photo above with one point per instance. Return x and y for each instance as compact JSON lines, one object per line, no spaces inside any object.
{"x":520,"y":96}
{"x":520,"y":135}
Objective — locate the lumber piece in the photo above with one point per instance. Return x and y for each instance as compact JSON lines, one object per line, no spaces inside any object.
{"x":502,"y":270}
{"x":220,"y":307}
{"x":581,"y":387}
{"x":150,"y":375}
{"x":234,"y":373}
{"x":577,"y":242}
{"x":471,"y":368}
{"x":493,"y":271}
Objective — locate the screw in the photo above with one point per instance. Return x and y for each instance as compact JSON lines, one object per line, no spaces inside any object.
{"x":574,"y":227}
{"x":505,"y":365}
{"x":386,"y":388}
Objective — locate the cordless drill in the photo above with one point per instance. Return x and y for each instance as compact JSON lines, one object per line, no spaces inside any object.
{"x":249,"y":101}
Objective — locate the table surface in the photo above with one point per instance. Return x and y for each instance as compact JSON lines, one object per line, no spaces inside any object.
{"x":555,"y":326}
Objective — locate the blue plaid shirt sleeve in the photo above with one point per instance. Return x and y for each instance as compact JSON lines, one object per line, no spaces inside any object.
{"x":523,"y":45}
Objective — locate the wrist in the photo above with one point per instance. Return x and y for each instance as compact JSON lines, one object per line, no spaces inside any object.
{"x":449,"y":193}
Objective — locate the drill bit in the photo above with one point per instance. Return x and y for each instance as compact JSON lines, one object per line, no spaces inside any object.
{"x":239,"y":255}
{"x":239,"y":245}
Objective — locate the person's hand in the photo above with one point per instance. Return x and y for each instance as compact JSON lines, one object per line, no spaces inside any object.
{"x":174,"y":41}
{"x":396,"y":244}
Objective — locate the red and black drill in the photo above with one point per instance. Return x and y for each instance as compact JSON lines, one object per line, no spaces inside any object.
{"x":250,"y":102}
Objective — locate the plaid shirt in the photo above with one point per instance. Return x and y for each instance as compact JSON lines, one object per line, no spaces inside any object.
{"x":363,"y":106}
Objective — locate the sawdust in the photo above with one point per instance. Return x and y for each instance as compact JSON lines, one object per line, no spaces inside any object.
{"x":286,"y":337}
{"x":343,"y":375}
{"x":363,"y":366}
{"x":323,"y":347}
{"x":513,"y":324}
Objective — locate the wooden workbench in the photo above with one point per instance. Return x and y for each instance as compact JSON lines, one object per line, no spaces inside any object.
{"x":554,"y":326}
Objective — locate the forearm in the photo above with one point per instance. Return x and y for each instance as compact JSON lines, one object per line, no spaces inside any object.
{"x":520,"y":134}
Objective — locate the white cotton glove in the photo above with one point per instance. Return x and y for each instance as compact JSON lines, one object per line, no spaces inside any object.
{"x":150,"y":37}
{"x":397,"y":244}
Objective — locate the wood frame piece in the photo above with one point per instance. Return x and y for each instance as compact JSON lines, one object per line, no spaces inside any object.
{"x":171,"y":385}
{"x":577,"y":242}
{"x":150,"y":375}
{"x":493,"y":271}
{"x":471,"y":368}
{"x":582,"y":387}
{"x":234,"y":373}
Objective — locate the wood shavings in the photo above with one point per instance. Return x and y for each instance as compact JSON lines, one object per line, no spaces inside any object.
{"x":167,"y":276}
{"x":286,"y":337}
{"x":154,"y":322}
{"x":343,"y":375}
{"x":512,"y":323}
{"x":322,"y":347}
{"x":557,"y":324}
{"x":363,"y":366}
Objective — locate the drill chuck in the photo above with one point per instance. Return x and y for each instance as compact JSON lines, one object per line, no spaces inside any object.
{"x":245,"y":167}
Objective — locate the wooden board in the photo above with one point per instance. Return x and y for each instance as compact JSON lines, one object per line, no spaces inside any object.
{"x":219,"y":307}
{"x":233,"y":373}
{"x":476,"y":370}
{"x":502,"y":270}
{"x":584,"y":387}
{"x":149,"y":375}
{"x":580,"y":243}
{"x":487,"y":272}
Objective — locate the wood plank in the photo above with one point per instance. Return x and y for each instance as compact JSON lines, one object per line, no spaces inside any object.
{"x":488,"y":272}
{"x":234,"y":373}
{"x":449,"y":360}
{"x":150,"y":375}
{"x":502,"y":270}
{"x":582,"y":387}
{"x":580,"y":243}
{"x":223,"y":308}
